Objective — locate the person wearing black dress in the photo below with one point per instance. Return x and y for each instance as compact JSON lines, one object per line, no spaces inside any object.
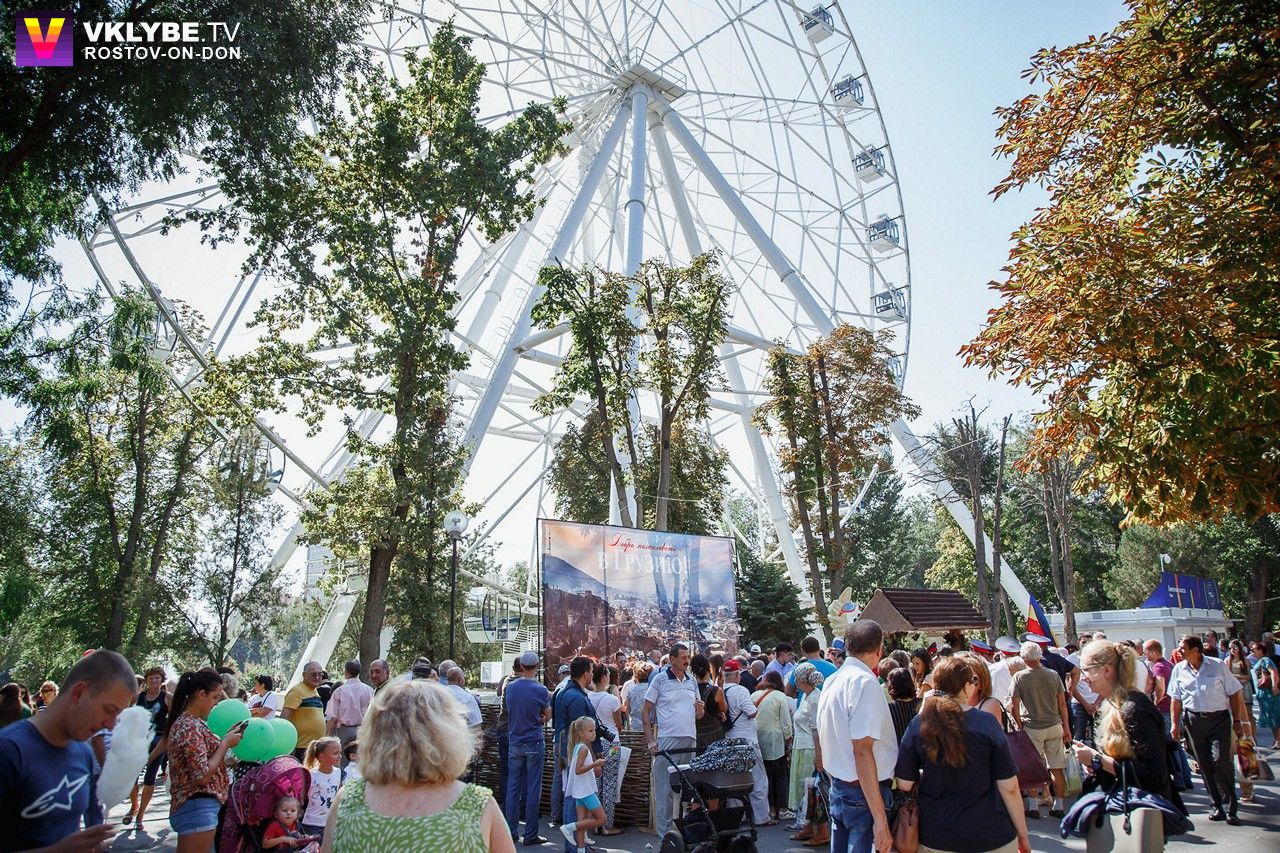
{"x":1130,"y":727}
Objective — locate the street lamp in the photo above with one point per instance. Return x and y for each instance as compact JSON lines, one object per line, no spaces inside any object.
{"x":455,"y":524}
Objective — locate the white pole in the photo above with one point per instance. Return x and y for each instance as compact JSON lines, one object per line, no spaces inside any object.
{"x":786,"y":271}
{"x":733,"y":372}
{"x":505,"y":364}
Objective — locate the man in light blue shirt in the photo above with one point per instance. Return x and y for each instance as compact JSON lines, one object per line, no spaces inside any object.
{"x":783,"y":661}
{"x":810,"y":648}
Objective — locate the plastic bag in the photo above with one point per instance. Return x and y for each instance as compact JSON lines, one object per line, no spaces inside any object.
{"x":1074,"y":774}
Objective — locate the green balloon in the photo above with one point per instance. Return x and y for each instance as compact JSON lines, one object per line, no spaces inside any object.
{"x":226,"y":714}
{"x":286,"y":736}
{"x":258,"y":742}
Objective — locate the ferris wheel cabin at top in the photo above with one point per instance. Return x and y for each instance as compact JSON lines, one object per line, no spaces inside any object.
{"x":747,"y":127}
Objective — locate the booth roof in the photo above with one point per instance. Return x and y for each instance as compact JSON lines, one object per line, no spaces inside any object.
{"x":899,"y":610}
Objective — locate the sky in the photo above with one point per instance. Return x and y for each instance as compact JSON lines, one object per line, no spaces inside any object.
{"x":939,"y":70}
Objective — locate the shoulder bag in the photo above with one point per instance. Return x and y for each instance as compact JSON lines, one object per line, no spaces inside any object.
{"x":1032,"y":771}
{"x":1133,"y":830}
{"x":906,"y":824}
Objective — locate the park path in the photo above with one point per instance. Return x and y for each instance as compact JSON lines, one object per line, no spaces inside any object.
{"x":1259,"y":834}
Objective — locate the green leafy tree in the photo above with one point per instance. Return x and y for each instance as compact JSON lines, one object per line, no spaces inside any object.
{"x":383,"y":195}
{"x":830,"y":405}
{"x":232,"y":578}
{"x":877,"y":535}
{"x":696,"y":483}
{"x":1142,"y":298}
{"x":659,"y":330}
{"x":123,"y":446}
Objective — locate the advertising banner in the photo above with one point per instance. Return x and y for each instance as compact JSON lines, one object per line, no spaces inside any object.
{"x":615,"y":589}
{"x":1175,"y":590}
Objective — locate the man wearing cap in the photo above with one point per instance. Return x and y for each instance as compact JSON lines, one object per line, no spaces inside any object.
{"x":1001,"y":677}
{"x":528,"y":707}
{"x":742,"y":714}
{"x":1204,"y":696}
{"x":673,"y":705}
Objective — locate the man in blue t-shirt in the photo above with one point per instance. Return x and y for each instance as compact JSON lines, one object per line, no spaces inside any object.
{"x":47,"y":785}
{"x":811,"y":649}
{"x":570,"y":703}
{"x":528,"y":707}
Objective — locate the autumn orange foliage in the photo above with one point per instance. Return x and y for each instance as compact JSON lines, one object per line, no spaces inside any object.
{"x":1143,"y":300}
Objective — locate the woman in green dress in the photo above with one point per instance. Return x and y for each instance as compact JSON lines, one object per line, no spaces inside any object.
{"x":1266,"y":691}
{"x":414,"y":744}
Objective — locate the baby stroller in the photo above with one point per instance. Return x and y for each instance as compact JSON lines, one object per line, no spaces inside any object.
{"x":721,"y":773}
{"x":252,"y":803}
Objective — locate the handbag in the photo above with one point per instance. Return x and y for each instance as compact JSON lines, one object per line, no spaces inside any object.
{"x":1032,"y":771}
{"x":906,"y":825}
{"x":1133,"y":830}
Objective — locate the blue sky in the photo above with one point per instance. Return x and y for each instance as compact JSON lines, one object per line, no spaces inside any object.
{"x":940,"y":69}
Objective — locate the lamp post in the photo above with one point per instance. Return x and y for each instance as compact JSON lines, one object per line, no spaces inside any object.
{"x":455,"y":524}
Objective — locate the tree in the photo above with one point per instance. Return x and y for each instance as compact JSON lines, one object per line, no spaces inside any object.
{"x":879,"y":536}
{"x":103,"y":128}
{"x":659,"y":329}
{"x":383,"y":195}
{"x":232,"y":577}
{"x":769,"y":610}
{"x":696,"y":483}
{"x":1142,"y":299}
{"x":830,"y":405}
{"x":123,"y":445}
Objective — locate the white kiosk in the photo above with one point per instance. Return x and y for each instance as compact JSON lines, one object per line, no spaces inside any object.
{"x":1180,"y":604}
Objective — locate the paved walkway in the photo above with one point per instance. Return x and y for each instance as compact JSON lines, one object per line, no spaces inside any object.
{"x":1259,"y":834}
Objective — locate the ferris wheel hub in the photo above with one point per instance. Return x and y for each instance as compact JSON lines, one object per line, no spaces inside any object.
{"x":638,"y":73}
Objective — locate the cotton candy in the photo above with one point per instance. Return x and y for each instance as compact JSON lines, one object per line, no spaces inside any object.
{"x":130,"y":744}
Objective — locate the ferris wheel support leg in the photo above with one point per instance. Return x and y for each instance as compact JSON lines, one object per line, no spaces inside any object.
{"x":786,"y":270}
{"x":635,"y":207}
{"x":505,"y":364}
{"x":321,"y":647}
{"x":733,"y":372}
{"x":919,"y":456}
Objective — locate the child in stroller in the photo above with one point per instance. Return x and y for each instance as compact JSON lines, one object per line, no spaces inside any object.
{"x":283,"y":831}
{"x":254,"y":801}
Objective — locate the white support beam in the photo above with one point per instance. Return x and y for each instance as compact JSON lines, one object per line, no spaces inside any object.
{"x":1018,"y":594}
{"x":733,"y":373}
{"x":786,"y":271}
{"x":505,"y":363}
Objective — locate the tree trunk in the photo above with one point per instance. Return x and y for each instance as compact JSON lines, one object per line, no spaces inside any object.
{"x":997,"y":534}
{"x":662,"y":500}
{"x":375,"y":600}
{"x":1055,"y":541}
{"x":810,"y":545}
{"x":971,"y":450}
{"x":839,"y":554}
{"x":1265,"y":529}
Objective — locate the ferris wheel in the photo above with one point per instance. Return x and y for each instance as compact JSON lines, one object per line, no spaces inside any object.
{"x":750,"y":127}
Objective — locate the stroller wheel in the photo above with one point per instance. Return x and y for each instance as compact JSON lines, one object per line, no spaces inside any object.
{"x":741,"y":844}
{"x":672,"y":842}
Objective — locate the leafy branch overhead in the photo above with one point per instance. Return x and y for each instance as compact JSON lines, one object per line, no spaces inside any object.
{"x":1143,"y":299}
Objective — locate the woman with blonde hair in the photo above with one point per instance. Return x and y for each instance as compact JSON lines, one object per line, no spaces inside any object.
{"x":414,"y":744}
{"x":1130,"y":728}
{"x":958,"y":762}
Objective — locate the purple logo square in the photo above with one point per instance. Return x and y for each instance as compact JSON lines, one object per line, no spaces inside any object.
{"x":44,"y":38}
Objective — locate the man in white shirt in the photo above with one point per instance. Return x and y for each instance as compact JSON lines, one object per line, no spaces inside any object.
{"x":1203,"y":695}
{"x":742,"y":712}
{"x":1001,"y":678}
{"x":672,"y":701}
{"x":856,"y":744}
{"x":347,"y":706}
{"x":469,"y":704}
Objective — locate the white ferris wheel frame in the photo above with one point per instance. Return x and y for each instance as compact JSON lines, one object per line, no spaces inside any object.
{"x":640,"y":98}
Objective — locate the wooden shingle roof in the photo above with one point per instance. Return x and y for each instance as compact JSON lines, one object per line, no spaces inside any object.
{"x":899,"y":610}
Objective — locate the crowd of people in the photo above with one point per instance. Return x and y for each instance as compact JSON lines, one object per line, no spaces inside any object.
{"x":841,"y":737}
